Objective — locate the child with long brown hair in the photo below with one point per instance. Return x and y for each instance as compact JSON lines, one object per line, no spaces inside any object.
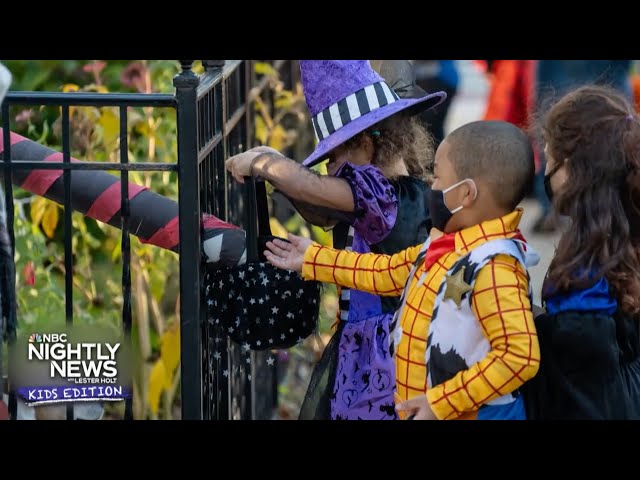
{"x":589,"y":336}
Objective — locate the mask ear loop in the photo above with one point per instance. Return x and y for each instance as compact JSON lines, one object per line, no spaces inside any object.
{"x":455,"y":185}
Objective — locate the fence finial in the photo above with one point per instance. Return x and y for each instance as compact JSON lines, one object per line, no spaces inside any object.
{"x":213,"y":64}
{"x":187,"y":77}
{"x":186,"y":65}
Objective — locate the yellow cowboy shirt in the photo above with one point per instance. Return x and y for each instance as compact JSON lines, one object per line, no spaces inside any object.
{"x":500,"y":302}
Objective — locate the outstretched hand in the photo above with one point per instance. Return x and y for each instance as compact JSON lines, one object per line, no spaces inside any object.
{"x":288,"y":255}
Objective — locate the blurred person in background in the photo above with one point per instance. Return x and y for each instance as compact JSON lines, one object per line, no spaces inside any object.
{"x":435,"y":76}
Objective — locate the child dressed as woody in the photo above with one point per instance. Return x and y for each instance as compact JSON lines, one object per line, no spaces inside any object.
{"x":464,"y":338}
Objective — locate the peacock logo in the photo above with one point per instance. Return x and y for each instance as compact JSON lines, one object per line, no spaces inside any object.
{"x":35,"y":338}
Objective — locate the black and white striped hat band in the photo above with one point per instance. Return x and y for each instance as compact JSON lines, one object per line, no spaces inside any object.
{"x":368,"y":99}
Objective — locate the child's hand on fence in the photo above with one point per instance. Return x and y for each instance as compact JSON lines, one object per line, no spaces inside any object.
{"x":288,"y":255}
{"x":241,"y":165}
{"x":417,"y":408}
{"x":265,"y":149}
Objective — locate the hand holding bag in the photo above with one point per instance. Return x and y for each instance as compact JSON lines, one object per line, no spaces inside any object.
{"x":256,"y":304}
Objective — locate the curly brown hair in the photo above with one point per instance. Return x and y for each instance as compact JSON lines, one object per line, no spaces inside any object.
{"x":400,"y":137}
{"x":598,"y":133}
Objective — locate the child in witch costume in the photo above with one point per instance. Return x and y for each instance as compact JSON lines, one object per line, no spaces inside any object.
{"x":379,"y":158}
{"x":463,"y":338}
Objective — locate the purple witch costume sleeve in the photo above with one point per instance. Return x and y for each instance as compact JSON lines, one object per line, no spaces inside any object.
{"x":375,"y":200}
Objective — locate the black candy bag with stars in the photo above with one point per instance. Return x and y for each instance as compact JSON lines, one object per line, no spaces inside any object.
{"x":256,"y":304}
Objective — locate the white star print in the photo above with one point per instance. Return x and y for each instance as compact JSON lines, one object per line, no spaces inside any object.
{"x":217,"y":356}
{"x":258,"y":343}
{"x":300,"y":340}
{"x":210,"y":302}
{"x":271,"y":340}
{"x":274,"y":310}
{"x":278,"y":276}
{"x":260,"y":301}
{"x":225,"y":373}
{"x":250,"y":268}
{"x":265,"y":281}
{"x":291,"y":330}
{"x":230,"y":329}
{"x":252,"y":301}
{"x":282,"y":336}
{"x":271,"y":321}
{"x":241,"y":275}
{"x":290,"y":315}
{"x":246,"y":347}
{"x":270,"y":361}
{"x":248,"y":359}
{"x":221,"y":283}
{"x":267,"y":298}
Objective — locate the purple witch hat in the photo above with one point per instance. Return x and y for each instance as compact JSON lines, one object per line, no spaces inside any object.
{"x":345,"y":97}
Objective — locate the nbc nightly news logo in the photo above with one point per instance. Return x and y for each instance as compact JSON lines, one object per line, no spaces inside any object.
{"x":81,"y":364}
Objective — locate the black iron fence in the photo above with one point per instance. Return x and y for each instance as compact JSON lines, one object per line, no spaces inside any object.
{"x":214,"y":120}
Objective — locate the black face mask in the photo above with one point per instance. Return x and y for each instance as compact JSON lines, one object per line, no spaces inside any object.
{"x":440,"y":213}
{"x":547,"y":181}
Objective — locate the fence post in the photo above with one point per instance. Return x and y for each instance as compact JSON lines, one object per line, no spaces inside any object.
{"x":186,"y":84}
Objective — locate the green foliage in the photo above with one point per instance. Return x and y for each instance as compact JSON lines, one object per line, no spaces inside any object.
{"x":97,"y":267}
